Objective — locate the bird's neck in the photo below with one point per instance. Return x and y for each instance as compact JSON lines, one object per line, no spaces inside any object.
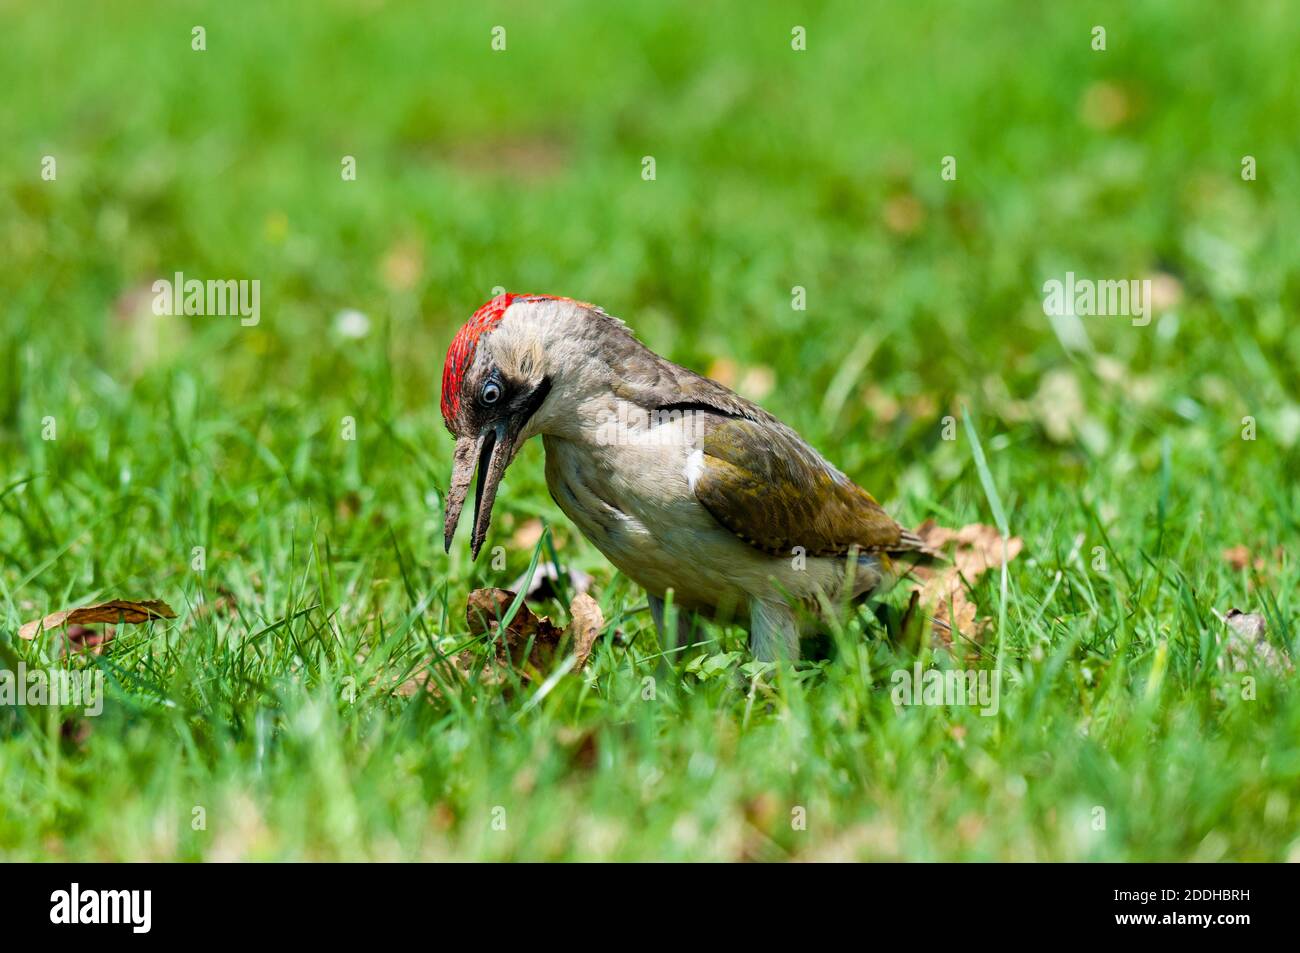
{"x":585,"y":360}
{"x":581,"y":407}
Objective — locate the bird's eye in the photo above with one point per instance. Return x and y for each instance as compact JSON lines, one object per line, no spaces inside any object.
{"x":491,"y":392}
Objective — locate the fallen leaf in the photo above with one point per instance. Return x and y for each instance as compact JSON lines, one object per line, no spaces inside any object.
{"x":1237,"y":556}
{"x":945,"y":588}
{"x":75,"y":731}
{"x":753,"y":382}
{"x":348,"y":505}
{"x":723,"y":370}
{"x":969,"y":827}
{"x":756,"y":382}
{"x":519,"y":156}
{"x":955,"y":613}
{"x":527,"y":535}
{"x":587,"y":623}
{"x":884,"y":406}
{"x":224,"y":604}
{"x":1166,"y":291}
{"x":1105,"y":105}
{"x":403,"y":265}
{"x":583,"y":747}
{"x":1241,"y":557}
{"x":527,"y":640}
{"x":979,"y":546}
{"x":443,"y":816}
{"x":1058,"y":405}
{"x":119,"y":610}
{"x":483,"y":613}
{"x":82,"y":638}
{"x":762,"y":810}
{"x":904,"y":214}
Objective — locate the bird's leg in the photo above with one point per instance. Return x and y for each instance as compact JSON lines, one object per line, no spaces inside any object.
{"x":681,"y":637}
{"x":773,"y":631}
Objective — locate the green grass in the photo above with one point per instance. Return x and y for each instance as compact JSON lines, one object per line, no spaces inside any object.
{"x":267,"y":702}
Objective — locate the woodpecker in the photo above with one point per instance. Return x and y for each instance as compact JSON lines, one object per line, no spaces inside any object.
{"x":682,"y":484}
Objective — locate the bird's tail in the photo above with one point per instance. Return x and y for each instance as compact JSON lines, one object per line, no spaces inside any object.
{"x":912,"y":550}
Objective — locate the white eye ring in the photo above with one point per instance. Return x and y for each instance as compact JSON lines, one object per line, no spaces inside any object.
{"x":491,"y":393}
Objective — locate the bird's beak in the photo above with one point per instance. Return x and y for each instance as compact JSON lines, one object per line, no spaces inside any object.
{"x":491,"y":451}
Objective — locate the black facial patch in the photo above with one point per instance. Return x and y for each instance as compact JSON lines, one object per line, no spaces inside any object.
{"x":532,"y":401}
{"x":516,"y":404}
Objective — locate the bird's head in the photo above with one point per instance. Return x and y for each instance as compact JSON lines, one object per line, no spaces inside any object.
{"x":494,"y":382}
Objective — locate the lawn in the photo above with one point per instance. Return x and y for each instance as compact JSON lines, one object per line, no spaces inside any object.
{"x":857,"y":234}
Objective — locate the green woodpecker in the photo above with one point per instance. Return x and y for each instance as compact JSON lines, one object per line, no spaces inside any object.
{"x":682,"y":484}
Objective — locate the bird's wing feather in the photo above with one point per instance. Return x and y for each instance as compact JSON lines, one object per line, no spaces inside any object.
{"x":759,"y":478}
{"x":762,"y":482}
{"x":649,"y":381}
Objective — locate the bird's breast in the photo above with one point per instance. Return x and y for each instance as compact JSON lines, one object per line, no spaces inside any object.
{"x":636,"y":506}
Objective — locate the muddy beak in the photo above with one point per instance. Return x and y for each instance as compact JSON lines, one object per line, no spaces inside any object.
{"x":490,"y":452}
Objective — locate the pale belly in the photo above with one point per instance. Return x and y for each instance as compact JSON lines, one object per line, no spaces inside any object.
{"x":649,"y":529}
{"x":636,"y":506}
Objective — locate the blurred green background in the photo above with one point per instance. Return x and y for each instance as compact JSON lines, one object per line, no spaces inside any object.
{"x":775,"y":169}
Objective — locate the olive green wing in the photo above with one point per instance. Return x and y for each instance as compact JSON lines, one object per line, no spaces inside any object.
{"x":757,"y":477}
{"x":761,"y":481}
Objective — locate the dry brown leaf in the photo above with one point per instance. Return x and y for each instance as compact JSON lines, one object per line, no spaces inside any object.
{"x":1059,"y":405}
{"x":527,"y":535}
{"x":422,"y":680}
{"x":756,"y":382}
{"x":883,"y":405}
{"x":403,"y":265}
{"x":82,"y":638}
{"x":904,"y":214}
{"x":224,"y":603}
{"x":1237,"y":556}
{"x":723,"y":370}
{"x":527,"y":641}
{"x":75,"y":731}
{"x":955,"y":613}
{"x":1105,"y":105}
{"x":979,"y":547}
{"x":1166,"y":291}
{"x":583,"y":747}
{"x":118,"y":610}
{"x":517,"y":156}
{"x":587,"y":623}
{"x":945,"y":589}
{"x":1241,"y":557}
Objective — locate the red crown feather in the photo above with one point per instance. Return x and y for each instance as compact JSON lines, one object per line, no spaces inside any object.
{"x":460,"y":355}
